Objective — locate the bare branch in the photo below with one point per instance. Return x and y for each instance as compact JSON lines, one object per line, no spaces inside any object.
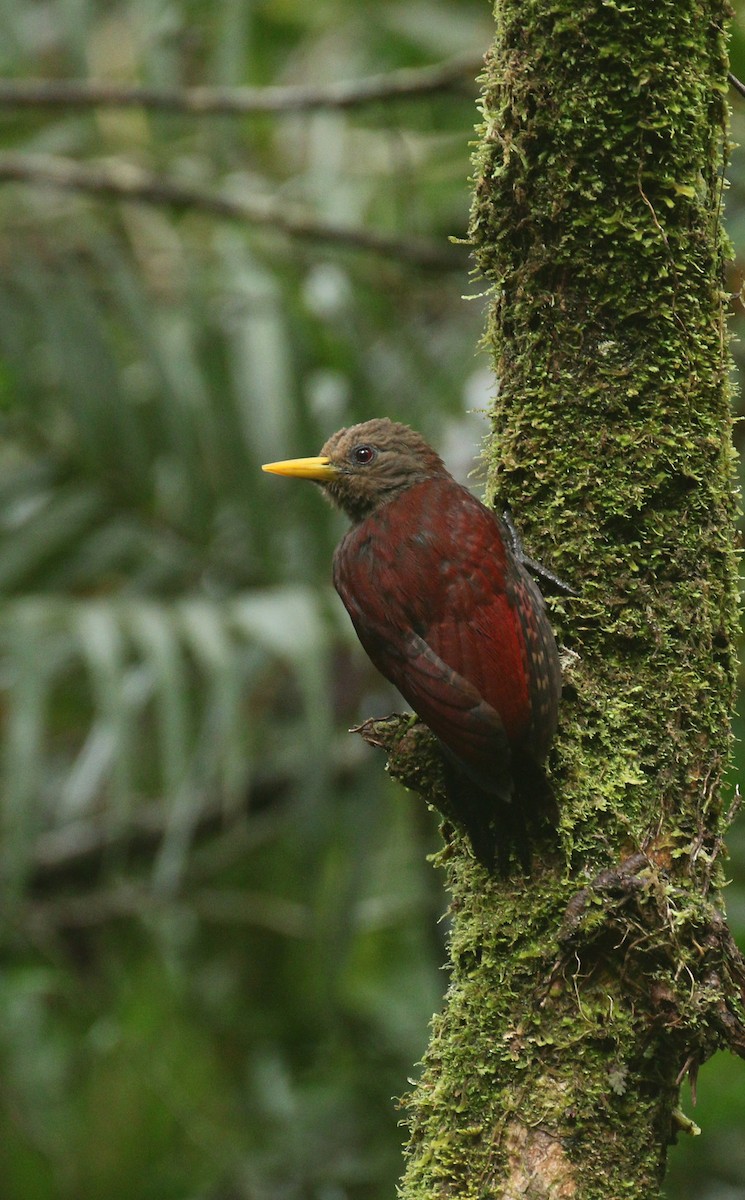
{"x":405,"y":84}
{"x":126,"y":900}
{"x":82,"y":846}
{"x":736,"y":83}
{"x":124,"y":181}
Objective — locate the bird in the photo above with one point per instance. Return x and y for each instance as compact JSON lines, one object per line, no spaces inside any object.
{"x":438,"y":592}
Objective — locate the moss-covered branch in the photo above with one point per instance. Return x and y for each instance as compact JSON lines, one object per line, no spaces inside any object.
{"x":580,"y":998}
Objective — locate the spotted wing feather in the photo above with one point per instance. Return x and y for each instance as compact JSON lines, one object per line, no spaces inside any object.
{"x":435,"y":596}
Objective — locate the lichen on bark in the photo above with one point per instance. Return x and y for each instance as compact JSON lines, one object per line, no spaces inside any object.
{"x":580,"y":997}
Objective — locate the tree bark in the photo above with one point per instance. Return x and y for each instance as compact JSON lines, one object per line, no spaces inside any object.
{"x":580,"y":997}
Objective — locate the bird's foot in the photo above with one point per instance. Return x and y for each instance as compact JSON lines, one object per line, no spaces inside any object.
{"x":531,"y":564}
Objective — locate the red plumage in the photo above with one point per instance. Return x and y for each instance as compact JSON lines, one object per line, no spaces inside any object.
{"x":447,"y":612}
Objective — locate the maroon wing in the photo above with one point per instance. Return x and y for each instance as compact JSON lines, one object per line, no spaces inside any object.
{"x":435,"y":596}
{"x":544,"y":668}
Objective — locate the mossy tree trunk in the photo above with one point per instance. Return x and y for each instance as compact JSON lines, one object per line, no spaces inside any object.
{"x":581,"y":997}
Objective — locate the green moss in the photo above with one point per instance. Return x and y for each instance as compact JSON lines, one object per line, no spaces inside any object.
{"x":597,"y":200}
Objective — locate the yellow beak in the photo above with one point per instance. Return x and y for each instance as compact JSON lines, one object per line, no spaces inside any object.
{"x":319,"y":468}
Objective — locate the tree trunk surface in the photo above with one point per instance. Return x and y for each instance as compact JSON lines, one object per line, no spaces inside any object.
{"x":581,"y":997}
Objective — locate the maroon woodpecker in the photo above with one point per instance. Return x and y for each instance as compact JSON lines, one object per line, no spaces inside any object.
{"x":438,"y":594}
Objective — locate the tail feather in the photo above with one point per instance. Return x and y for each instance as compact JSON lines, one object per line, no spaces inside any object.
{"x":502,"y":829}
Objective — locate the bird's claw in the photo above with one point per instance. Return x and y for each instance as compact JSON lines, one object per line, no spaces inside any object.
{"x":531,"y":564}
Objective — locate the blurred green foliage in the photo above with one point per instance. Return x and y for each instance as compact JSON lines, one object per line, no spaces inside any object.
{"x":221,"y":944}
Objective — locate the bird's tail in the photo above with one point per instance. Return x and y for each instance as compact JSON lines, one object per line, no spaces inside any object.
{"x":502,"y":829}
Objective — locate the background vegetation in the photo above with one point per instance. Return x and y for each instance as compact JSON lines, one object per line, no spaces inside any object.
{"x":221,"y":941}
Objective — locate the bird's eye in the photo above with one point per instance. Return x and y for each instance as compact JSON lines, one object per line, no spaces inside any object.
{"x":364,"y":454}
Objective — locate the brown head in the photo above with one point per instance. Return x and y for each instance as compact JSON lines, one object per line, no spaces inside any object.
{"x":366,"y":465}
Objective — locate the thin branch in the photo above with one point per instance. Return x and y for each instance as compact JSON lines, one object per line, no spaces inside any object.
{"x":405,"y":84}
{"x":127,"y":900}
{"x":736,"y":83}
{"x":82,"y":846}
{"x":124,"y":181}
